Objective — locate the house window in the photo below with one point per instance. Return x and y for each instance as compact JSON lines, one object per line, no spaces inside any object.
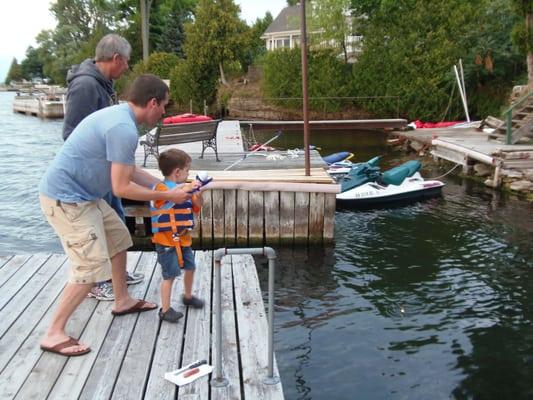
{"x":283,"y":42}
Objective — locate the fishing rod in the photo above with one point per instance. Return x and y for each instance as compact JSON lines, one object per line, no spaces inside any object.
{"x":246,"y":155}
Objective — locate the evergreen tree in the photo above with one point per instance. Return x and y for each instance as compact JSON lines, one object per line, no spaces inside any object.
{"x":32,"y":66}
{"x":14,"y":73}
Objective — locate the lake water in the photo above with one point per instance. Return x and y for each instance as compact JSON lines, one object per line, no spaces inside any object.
{"x":428,"y":301}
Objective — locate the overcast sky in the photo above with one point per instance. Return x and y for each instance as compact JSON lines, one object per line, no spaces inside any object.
{"x":22,"y":20}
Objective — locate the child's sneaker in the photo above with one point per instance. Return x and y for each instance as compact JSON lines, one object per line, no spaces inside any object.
{"x":194,"y":302}
{"x":132,"y":278}
{"x":102,"y":291}
{"x":170,"y":315}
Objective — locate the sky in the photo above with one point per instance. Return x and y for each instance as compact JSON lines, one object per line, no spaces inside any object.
{"x":22,"y":20}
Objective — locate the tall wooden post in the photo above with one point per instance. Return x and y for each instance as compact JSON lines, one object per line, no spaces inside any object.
{"x":303,"y":41}
{"x":145,"y":18}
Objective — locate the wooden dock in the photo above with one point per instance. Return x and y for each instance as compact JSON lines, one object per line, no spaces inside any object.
{"x":40,"y":106}
{"x":391,"y":123}
{"x":131,"y":353}
{"x":471,"y":146}
{"x":264,"y":200}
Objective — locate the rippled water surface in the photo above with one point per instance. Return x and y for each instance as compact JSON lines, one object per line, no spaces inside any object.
{"x":428,"y":301}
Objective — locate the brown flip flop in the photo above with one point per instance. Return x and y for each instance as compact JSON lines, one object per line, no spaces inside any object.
{"x":137,"y":307}
{"x":63,"y":345}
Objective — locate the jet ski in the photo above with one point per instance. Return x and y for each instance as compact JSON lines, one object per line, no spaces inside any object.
{"x":365,"y":186}
{"x":339,"y":163}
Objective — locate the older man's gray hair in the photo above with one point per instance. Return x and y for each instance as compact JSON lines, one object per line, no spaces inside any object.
{"x":110,"y":45}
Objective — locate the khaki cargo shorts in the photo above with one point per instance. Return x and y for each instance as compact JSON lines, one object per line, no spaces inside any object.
{"x":91,"y":233}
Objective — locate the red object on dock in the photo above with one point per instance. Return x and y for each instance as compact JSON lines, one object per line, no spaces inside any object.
{"x":420,"y":124}
{"x":188,"y":117}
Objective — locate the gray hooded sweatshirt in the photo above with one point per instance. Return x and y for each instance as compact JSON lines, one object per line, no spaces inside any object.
{"x":88,"y":91}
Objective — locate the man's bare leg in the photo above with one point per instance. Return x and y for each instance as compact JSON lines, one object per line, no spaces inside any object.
{"x":123,"y":301}
{"x":72,"y":296}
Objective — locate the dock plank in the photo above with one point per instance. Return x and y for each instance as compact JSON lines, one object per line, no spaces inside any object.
{"x":286,"y":217}
{"x":301,"y":217}
{"x":230,"y":348}
{"x":72,"y":380}
{"x":218,"y":217}
{"x":230,"y":202}
{"x":24,"y":274}
{"x":131,"y":353}
{"x":168,"y":350}
{"x":241,"y":211}
{"x":135,"y":367}
{"x":206,"y":220}
{"x":103,"y":375}
{"x":11,"y":267}
{"x":198,"y":328}
{"x":252,"y":323}
{"x":16,"y":304}
{"x":272,"y":220}
{"x":49,"y":366}
{"x":4,"y":260}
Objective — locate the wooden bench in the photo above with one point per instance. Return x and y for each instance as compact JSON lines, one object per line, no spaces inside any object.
{"x":205,"y":131}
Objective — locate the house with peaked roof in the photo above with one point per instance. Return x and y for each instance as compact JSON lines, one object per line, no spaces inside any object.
{"x":284,"y":32}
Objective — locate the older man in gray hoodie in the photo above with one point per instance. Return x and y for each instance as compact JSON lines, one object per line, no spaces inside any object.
{"x":90,"y":88}
{"x":90,"y":84}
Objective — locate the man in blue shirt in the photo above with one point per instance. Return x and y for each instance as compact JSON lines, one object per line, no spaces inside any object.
{"x":99,"y":157}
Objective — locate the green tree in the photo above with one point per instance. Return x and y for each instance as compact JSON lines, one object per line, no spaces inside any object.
{"x":217,"y":35}
{"x":32,"y":66}
{"x":257,"y":45}
{"x":410,"y":47}
{"x":14,"y":73}
{"x":293,"y":2}
{"x":523,"y":33}
{"x":80,"y":24}
{"x":331,"y":23}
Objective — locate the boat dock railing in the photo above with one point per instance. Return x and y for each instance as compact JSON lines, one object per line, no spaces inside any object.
{"x":218,"y":379}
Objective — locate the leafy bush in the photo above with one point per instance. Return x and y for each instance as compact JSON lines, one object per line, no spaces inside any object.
{"x":328,"y":77}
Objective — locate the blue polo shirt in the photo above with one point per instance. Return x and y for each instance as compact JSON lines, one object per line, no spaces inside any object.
{"x":81,"y":171}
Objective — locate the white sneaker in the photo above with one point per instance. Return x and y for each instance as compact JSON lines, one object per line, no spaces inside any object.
{"x":102,"y":291}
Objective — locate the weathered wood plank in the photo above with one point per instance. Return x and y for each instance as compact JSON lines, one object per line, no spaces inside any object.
{"x":14,"y":349}
{"x":136,"y":367}
{"x":255,"y":218}
{"x":168,"y":349}
{"x":241,"y":212}
{"x":68,"y":380}
{"x":98,"y":379}
{"x":4,"y":260}
{"x":286,"y":217}
{"x":329,"y":217}
{"x":301,"y":217}
{"x":316,"y":217}
{"x":272,"y":218}
{"x":218,"y":217}
{"x":24,"y":274}
{"x":18,"y":356}
{"x":11,"y":267}
{"x":253,"y":331}
{"x":230,"y":359}
{"x":45,"y":372}
{"x":197,"y":330}
{"x":230,"y":202}
{"x":206,"y":220}
{"x":14,"y":308}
